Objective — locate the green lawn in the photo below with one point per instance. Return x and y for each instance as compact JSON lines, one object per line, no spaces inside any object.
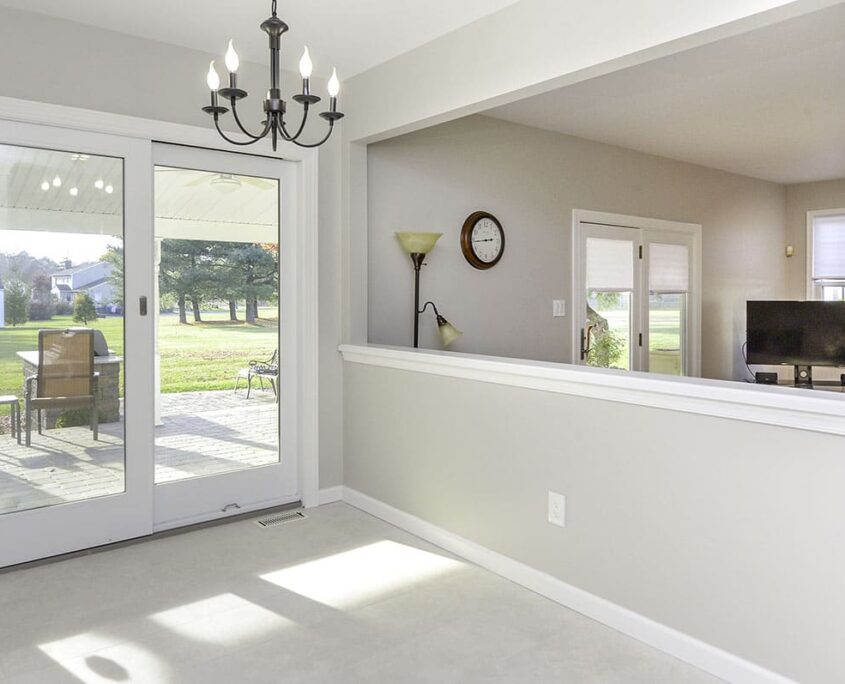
{"x":664,"y":336}
{"x":194,"y":357}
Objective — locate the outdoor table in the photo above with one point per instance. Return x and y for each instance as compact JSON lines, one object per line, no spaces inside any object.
{"x":109,"y":386}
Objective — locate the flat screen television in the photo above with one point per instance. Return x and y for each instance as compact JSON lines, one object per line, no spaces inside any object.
{"x":795,"y":333}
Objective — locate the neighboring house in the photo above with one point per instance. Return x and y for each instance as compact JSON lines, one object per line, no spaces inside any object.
{"x":91,"y":279}
{"x":2,"y":304}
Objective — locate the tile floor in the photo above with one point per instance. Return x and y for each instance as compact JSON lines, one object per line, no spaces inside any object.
{"x":336,"y":597}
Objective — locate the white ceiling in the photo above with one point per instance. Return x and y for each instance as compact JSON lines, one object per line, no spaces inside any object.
{"x":351,"y":35}
{"x":769,"y":104}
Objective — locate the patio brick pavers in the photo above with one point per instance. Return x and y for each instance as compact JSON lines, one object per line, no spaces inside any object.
{"x":203,"y":433}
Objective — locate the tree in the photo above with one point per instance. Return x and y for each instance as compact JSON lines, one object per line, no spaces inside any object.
{"x":187,"y":272}
{"x":41,"y":307}
{"x":114,"y":256}
{"x":257,"y":268}
{"x":17,"y":299}
{"x":83,"y":309}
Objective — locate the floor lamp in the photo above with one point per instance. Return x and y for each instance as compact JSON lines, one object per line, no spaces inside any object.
{"x":417,"y":245}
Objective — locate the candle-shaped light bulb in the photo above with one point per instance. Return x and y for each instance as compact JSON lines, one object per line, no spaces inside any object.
{"x":232,"y":61}
{"x":212,"y":79}
{"x":305,"y":65}
{"x":334,"y":84}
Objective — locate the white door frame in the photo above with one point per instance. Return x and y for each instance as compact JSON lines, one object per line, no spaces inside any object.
{"x":147,"y":131}
{"x":693,"y":230}
{"x":42,"y":532}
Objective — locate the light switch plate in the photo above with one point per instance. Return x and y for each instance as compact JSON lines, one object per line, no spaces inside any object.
{"x":557,"y":509}
{"x":558,"y":308}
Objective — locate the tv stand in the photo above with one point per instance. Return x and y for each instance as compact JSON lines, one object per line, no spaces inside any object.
{"x":803,"y":376}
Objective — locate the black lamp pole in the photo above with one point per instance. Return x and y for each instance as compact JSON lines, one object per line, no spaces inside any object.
{"x":417,"y":259}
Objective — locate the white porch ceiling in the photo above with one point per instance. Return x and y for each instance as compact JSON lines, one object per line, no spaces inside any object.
{"x":189,"y":204}
{"x":353,"y":36}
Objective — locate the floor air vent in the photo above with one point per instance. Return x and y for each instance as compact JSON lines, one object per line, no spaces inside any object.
{"x":280,"y":518}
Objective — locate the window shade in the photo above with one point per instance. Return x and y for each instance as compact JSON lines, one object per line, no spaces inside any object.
{"x":668,"y":267}
{"x":610,"y":264}
{"x":829,"y":247}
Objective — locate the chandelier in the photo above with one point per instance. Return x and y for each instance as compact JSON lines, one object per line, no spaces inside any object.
{"x":274,"y":106}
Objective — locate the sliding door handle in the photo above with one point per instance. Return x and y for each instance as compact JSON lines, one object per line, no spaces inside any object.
{"x":143,"y":306}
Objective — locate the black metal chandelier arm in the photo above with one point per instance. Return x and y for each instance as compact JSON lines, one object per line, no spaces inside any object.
{"x":228,"y":139}
{"x":316,"y":144}
{"x":243,"y":129}
{"x":292,"y":138}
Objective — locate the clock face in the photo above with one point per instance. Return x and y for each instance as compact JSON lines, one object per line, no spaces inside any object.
{"x":482,"y":240}
{"x":486,"y":240}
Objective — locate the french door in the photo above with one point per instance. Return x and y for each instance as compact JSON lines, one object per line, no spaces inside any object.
{"x":75,"y":242}
{"x":182,"y":262}
{"x":637,"y":298}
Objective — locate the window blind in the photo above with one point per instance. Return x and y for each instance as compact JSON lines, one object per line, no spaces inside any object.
{"x":828,"y":247}
{"x":610,"y":264}
{"x":668,"y":267}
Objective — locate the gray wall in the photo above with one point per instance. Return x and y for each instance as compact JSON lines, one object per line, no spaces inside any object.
{"x":61,"y":62}
{"x":800,"y":199}
{"x":728,"y":531}
{"x":532,"y":180}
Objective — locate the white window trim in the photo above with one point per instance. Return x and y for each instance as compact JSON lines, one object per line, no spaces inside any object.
{"x":692,"y":230}
{"x":812,"y":290}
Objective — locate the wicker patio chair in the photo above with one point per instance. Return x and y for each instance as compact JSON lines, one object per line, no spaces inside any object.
{"x":65,"y":376}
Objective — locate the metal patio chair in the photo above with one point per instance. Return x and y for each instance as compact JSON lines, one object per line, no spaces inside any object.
{"x":263,"y":370}
{"x":65,"y":377}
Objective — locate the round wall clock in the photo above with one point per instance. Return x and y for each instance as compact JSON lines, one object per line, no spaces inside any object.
{"x":482,"y":240}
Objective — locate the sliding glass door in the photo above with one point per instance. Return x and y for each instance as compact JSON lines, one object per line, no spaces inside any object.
{"x":74,"y":347}
{"x":148,"y":340}
{"x":225,"y":347}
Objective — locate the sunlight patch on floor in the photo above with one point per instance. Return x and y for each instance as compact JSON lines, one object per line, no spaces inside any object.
{"x":95,"y":659}
{"x":361,"y":575}
{"x":226,"y":620}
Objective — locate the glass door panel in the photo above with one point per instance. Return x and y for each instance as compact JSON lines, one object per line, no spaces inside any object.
{"x":217,"y":237}
{"x":72,"y":356}
{"x":669,"y":283}
{"x":667,"y":332}
{"x":61,"y":247}
{"x":226,"y":341}
{"x":609,"y":329}
{"x":610,"y":279}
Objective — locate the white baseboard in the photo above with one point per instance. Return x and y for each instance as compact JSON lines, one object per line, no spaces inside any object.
{"x":682,"y":646}
{"x":330,"y":495}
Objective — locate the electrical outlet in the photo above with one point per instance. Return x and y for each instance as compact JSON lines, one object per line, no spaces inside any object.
{"x":557,"y":509}
{"x":558,"y":308}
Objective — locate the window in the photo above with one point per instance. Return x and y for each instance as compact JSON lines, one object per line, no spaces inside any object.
{"x":826,"y":255}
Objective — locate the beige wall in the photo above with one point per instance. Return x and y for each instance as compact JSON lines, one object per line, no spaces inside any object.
{"x":800,"y":199}
{"x":532,"y":180}
{"x":61,"y":62}
{"x":728,"y":531}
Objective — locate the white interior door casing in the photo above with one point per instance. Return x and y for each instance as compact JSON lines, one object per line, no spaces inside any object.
{"x":641,"y":234}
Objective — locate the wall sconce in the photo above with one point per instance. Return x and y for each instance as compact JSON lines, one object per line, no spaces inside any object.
{"x":417,"y":245}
